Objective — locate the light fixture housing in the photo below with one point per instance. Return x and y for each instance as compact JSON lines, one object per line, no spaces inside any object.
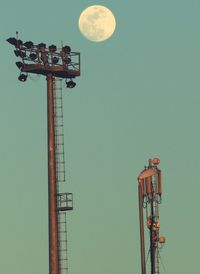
{"x":13,"y":41}
{"x":19,"y":64}
{"x":70,"y":84}
{"x":66,"y":49}
{"x":33,"y":56}
{"x":41,"y":46}
{"x":22,"y":77}
{"x":20,"y":53}
{"x":52,"y":48}
{"x":54,"y":60}
{"x":28,"y":44}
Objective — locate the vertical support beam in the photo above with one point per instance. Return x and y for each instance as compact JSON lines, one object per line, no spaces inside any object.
{"x":142,"y":245}
{"x":52,"y":198}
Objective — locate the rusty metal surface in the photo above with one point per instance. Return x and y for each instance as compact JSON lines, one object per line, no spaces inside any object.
{"x":53,"y":225}
{"x":57,"y":71}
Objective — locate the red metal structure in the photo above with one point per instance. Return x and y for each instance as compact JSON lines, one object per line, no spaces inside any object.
{"x":55,"y":64}
{"x":150,"y":193}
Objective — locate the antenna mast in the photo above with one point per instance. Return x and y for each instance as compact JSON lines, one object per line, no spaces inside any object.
{"x":150,"y":192}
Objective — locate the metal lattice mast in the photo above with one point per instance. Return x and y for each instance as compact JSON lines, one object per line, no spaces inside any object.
{"x":150,"y":192}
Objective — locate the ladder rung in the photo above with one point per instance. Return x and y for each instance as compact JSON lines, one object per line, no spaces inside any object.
{"x":61,"y":125}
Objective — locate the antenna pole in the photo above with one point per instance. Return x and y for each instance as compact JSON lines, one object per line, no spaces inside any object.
{"x":149,"y":192}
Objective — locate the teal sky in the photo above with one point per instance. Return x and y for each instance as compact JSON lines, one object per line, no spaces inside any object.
{"x":138,"y":97}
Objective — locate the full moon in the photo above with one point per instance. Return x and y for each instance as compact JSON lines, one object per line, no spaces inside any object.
{"x":97,"y":23}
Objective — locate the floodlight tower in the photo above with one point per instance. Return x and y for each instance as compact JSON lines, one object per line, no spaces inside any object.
{"x":150,"y":192}
{"x":54,"y":64}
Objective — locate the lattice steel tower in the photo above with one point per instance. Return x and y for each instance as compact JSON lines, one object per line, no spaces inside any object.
{"x":55,"y":64}
{"x":150,"y":192}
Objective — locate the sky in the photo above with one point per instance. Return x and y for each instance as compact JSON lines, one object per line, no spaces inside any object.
{"x":137,"y":98}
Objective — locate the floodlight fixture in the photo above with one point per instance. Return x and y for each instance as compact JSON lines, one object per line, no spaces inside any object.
{"x":22,"y":77}
{"x":15,"y":42}
{"x":33,"y":56}
{"x":20,"y":53}
{"x":70,"y":84}
{"x":17,"y":52}
{"x":67,"y":60}
{"x":19,"y":64}
{"x":41,"y":46}
{"x":54,"y":60}
{"x":52,"y":48}
{"x":66,"y":49}
{"x":28,"y":44}
{"x":12,"y":41}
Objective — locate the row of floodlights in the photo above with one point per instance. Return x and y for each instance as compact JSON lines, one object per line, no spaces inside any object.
{"x":22,"y":47}
{"x":29,"y":45}
{"x":69,"y":84}
{"x":33,"y":56}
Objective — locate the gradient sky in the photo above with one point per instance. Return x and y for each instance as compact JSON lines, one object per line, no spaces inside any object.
{"x":138,"y":97}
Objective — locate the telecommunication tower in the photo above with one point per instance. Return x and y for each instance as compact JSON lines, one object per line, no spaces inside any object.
{"x":150,"y":193}
{"x":55,"y":64}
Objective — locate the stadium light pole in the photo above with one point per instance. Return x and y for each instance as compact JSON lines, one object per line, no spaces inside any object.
{"x":52,"y":63}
